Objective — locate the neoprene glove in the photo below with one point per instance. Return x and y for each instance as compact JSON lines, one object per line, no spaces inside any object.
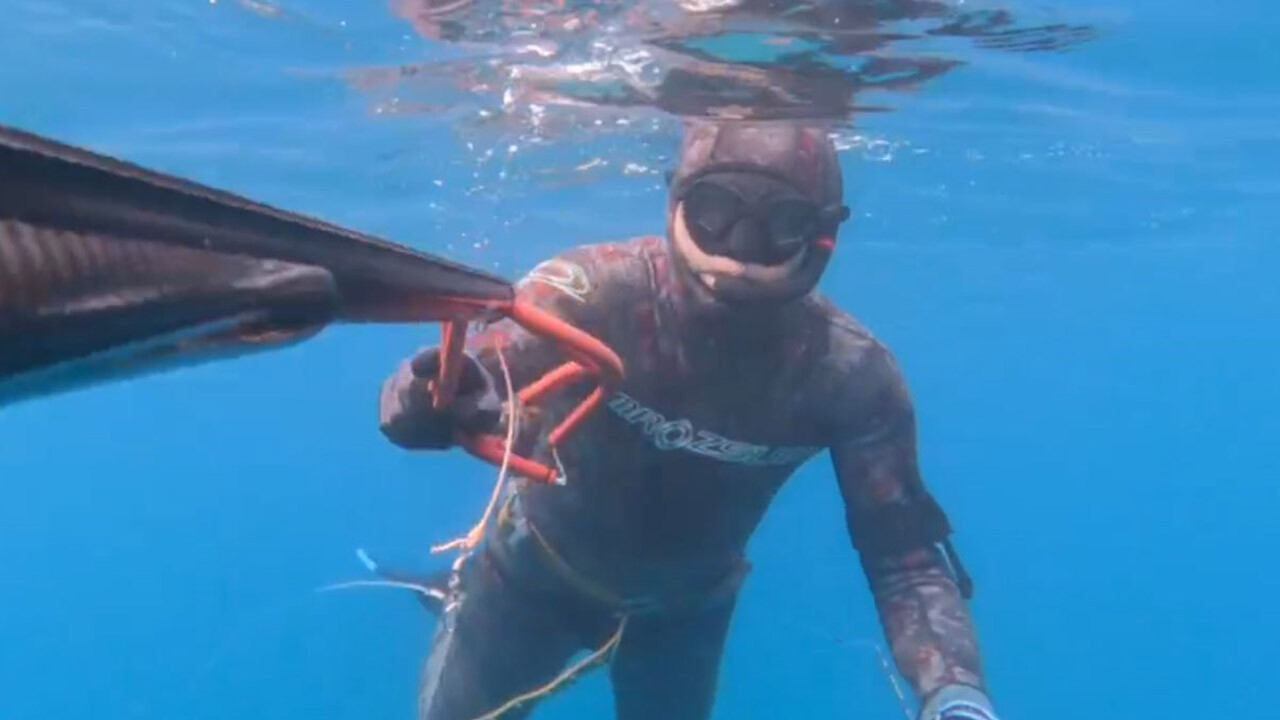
{"x":409,"y":418}
{"x":958,"y":702}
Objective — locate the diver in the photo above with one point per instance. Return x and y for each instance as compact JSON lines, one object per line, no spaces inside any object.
{"x":738,"y":372}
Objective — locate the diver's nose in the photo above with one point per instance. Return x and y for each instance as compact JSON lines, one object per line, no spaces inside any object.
{"x":749,"y":241}
{"x":752,"y":241}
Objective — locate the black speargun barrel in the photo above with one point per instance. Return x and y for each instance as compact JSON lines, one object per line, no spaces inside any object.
{"x":108,"y":270}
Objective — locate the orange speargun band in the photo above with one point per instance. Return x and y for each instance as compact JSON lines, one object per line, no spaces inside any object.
{"x":592,"y":360}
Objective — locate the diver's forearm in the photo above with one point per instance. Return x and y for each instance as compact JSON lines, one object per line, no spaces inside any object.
{"x":926,"y":621}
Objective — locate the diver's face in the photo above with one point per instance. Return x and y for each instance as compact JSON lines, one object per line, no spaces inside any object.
{"x":750,"y":238}
{"x":750,"y":217}
{"x":726,"y":277}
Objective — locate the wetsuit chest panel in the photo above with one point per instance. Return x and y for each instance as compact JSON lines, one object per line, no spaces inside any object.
{"x":690,"y":405}
{"x":692,"y":429}
{"x":667,"y":482}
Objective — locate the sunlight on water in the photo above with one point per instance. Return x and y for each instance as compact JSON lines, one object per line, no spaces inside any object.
{"x":585,"y":74}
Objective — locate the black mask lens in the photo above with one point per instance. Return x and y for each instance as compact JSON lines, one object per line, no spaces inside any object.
{"x":792,"y":223}
{"x":710,"y":210}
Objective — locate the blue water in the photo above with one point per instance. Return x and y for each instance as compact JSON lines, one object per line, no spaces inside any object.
{"x":1073,"y":256}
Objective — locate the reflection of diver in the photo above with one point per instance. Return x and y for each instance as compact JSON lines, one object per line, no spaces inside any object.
{"x":737,"y":374}
{"x":687,"y":82}
{"x":810,"y":64}
{"x":739,"y":59}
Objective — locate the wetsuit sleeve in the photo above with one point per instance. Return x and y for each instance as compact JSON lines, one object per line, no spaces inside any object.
{"x":899,"y":532}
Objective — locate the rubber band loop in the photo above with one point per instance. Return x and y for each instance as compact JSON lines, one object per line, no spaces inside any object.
{"x":591,"y":359}
{"x":444,"y":389}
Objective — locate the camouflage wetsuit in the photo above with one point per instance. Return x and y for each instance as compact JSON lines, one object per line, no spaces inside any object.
{"x":666,"y":485}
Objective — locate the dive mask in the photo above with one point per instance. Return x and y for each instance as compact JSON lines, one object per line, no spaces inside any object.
{"x":754,"y":218}
{"x":747,"y":235}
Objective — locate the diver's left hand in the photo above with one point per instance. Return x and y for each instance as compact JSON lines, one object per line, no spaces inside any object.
{"x":958,"y":702}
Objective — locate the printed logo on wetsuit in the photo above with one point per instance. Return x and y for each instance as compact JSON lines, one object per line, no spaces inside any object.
{"x":680,"y":434}
{"x":569,"y":278}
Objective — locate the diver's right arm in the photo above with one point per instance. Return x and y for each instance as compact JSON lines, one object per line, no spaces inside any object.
{"x":563,"y":286}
